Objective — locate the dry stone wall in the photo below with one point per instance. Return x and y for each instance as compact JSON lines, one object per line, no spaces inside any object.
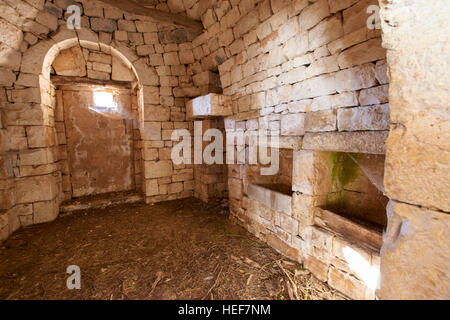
{"x":416,"y":253}
{"x":313,"y":73}
{"x":34,"y":33}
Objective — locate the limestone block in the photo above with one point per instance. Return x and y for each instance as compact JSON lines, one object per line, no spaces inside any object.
{"x":375,"y":95}
{"x":317,"y":267}
{"x":157,"y":169}
{"x":152,"y":131}
{"x":345,"y":99}
{"x":70,"y":62}
{"x":279,"y":245}
{"x":151,"y":187}
{"x":349,"y":285}
{"x":7,"y":77}
{"x":100,"y":57}
{"x":146,"y":26}
{"x":415,"y":259}
{"x":26,"y":95}
{"x":33,"y":58}
{"x":45,"y":211}
{"x":364,"y":118}
{"x":293,"y":124}
{"x":27,"y":80}
{"x":97,"y":66}
{"x":417,"y":166}
{"x":326,"y":31}
{"x":9,"y":58}
{"x":368,"y":51}
{"x":171,"y":59}
{"x":356,"y":78}
{"x":11,"y":36}
{"x":156,"y":113}
{"x":339,"y":5}
{"x":98,"y":75}
{"x":48,"y":20}
{"x":105,"y":25}
{"x":315,"y":87}
{"x":348,"y":40}
{"x":312,"y":172}
{"x":151,"y":94}
{"x":36,"y":157}
{"x":320,"y":121}
{"x":186,"y":57}
{"x":356,"y":16}
{"x":358,"y":142}
{"x":313,"y":14}
{"x":245,"y":24}
{"x":121,"y":72}
{"x":126,"y":25}
{"x":235,"y":188}
{"x":211,"y":105}
{"x":39,"y":188}
{"x":176,"y":187}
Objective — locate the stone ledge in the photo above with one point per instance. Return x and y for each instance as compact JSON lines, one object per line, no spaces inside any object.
{"x":372,"y":142}
{"x":211,"y":105}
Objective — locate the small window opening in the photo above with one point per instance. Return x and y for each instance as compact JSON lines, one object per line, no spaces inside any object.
{"x":104,"y":102}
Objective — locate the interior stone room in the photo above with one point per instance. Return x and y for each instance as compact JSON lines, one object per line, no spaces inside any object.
{"x":99,"y":99}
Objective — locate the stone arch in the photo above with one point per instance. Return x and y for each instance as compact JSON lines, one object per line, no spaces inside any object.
{"x":35,"y":68}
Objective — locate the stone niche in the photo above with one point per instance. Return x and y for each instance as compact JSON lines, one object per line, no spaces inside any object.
{"x":340,"y":207}
{"x":355,"y":207}
{"x":352,"y":202}
{"x":270,"y":196}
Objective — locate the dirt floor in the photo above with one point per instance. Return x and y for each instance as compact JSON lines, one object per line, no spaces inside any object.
{"x":173,"y":250}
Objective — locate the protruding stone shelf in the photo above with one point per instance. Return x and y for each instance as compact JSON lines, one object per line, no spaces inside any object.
{"x":373,"y":142}
{"x":293,"y":142}
{"x":348,"y":229}
{"x":209,"y":106}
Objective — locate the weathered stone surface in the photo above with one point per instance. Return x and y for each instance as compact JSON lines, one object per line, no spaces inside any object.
{"x":326,"y":31}
{"x":418,"y":145}
{"x":45,"y":211}
{"x":99,"y":147}
{"x":70,"y":62}
{"x":211,"y":105}
{"x":121,"y":72}
{"x":39,"y":188}
{"x":312,"y":172}
{"x":158,"y":169}
{"x":368,"y":51}
{"x":416,"y":253}
{"x":349,"y":285}
{"x":320,"y":121}
{"x":293,"y":124}
{"x":364,"y":118}
{"x":271,"y":198}
{"x":358,"y":142}
{"x":317,"y":267}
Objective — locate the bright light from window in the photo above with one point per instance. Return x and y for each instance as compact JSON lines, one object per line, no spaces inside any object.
{"x":369,"y":274}
{"x":105,"y":100}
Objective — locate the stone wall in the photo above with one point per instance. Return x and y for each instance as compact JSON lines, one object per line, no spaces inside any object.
{"x":310,"y":71}
{"x":315,"y":74}
{"x":416,"y":254}
{"x":34,"y":33}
